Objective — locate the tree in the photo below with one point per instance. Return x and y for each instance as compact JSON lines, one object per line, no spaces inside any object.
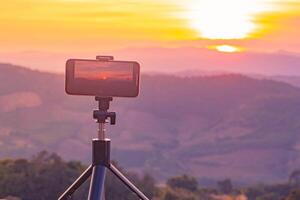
{"x":116,"y":190}
{"x":225,"y":186}
{"x":185,"y":182}
{"x":47,"y":175}
{"x":43,"y":177}
{"x":294,"y":195}
{"x":294,"y":177}
{"x":179,"y":194}
{"x":11,"y":198}
{"x":268,"y":196}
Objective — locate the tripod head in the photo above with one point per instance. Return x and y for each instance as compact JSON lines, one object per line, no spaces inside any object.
{"x":101,"y":115}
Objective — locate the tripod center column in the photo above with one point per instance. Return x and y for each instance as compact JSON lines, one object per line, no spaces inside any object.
{"x":101,"y":131}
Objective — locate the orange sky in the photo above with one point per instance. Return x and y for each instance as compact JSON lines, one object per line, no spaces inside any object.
{"x":88,"y":26}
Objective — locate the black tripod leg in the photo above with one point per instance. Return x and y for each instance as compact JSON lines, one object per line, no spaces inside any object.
{"x":83,"y":177}
{"x":130,"y":185}
{"x":96,"y":191}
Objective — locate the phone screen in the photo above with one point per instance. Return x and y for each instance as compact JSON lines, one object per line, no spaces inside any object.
{"x":108,"y":71}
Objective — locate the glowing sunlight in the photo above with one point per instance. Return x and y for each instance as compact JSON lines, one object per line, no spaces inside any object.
{"x":231,"y":19}
{"x":227,"y":48}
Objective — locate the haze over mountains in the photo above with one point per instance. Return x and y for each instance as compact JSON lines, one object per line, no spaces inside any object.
{"x":173,"y":60}
{"x":211,"y":127}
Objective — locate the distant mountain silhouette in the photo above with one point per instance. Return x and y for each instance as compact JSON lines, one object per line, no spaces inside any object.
{"x":211,"y":127}
{"x":185,"y":59}
{"x":292,"y":80}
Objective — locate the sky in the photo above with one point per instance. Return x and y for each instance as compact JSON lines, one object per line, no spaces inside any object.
{"x":42,"y":34}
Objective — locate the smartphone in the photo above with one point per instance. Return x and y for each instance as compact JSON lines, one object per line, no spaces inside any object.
{"x":102,"y":78}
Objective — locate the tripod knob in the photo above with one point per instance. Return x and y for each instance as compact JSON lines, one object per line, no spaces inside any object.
{"x":102,"y":117}
{"x":112,"y":116}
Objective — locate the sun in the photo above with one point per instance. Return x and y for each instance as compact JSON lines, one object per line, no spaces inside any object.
{"x":224,"y":19}
{"x":226,"y":48}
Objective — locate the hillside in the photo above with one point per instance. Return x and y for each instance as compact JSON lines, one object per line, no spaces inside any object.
{"x":292,"y":80}
{"x":211,"y":127}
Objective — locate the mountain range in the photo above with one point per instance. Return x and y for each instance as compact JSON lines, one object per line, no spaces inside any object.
{"x":186,"y":58}
{"x":212,"y":127}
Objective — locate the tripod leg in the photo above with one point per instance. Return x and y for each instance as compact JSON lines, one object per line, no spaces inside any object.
{"x":97,"y":183}
{"x":130,"y":185}
{"x":83,"y":177}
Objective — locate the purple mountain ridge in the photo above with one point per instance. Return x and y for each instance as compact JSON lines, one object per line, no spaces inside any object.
{"x":213,"y":126}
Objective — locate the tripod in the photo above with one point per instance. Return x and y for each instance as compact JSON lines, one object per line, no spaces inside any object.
{"x":101,"y":159}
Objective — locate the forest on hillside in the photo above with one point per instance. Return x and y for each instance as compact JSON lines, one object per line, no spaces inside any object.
{"x":46,"y":175}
